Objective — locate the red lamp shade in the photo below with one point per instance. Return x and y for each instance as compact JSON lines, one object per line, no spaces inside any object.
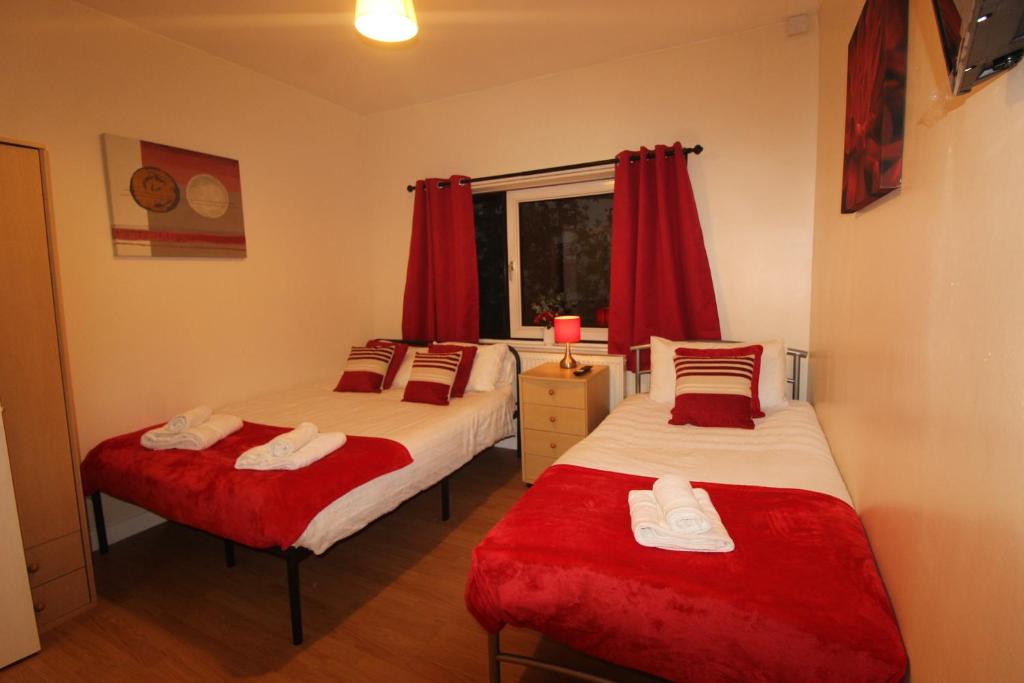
{"x":567,"y":329}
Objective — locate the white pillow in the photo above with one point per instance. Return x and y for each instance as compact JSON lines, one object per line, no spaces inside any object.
{"x":488,"y":366}
{"x":771,"y":388}
{"x":507,"y":376}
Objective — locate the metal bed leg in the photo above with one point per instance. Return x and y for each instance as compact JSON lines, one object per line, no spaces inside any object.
{"x":292,"y":558}
{"x":101,"y":525}
{"x":229,"y":553}
{"x":445,"y":500}
{"x":493,"y":650}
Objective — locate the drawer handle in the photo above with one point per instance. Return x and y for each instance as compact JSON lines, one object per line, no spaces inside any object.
{"x":552,"y":419}
{"x":39,"y":606}
{"x":551,"y":392}
{"x":554,"y":445}
{"x":33,"y":567}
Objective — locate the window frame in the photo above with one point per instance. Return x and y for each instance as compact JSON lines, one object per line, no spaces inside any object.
{"x":513,"y":198}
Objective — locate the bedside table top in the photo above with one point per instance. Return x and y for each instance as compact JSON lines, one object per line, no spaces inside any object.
{"x":552,"y":371}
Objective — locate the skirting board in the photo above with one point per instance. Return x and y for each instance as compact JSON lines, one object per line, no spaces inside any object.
{"x":118,"y":531}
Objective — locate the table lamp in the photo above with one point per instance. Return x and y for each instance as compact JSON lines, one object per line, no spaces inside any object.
{"x":567,"y":331}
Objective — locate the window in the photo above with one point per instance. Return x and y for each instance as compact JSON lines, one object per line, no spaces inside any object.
{"x":542,"y":247}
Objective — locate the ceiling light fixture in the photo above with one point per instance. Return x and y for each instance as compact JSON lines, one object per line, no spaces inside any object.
{"x":389,"y":21}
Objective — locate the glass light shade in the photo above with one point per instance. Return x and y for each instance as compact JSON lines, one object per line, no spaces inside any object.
{"x":389,"y":21}
{"x":567,"y":329}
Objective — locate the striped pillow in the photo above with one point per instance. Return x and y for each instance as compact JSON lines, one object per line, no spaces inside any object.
{"x":396,"y":360}
{"x":366,"y":368}
{"x":716,"y":387}
{"x":432,"y":377}
{"x":465,"y":365}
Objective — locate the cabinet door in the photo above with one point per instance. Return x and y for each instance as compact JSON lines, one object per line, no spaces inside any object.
{"x":18,"y":635}
{"x":31,"y":387}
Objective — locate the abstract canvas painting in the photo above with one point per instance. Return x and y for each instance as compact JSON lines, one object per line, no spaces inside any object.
{"x":168,"y":201}
{"x":876,"y":93}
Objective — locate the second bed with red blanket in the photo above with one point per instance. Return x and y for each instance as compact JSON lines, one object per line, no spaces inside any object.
{"x":799,"y":599}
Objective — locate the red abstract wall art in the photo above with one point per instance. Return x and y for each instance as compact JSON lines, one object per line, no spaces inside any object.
{"x":876,"y":94}
{"x":172,"y":202}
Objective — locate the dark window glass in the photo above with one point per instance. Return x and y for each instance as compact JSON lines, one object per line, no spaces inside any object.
{"x":492,"y":264}
{"x":565,"y":247}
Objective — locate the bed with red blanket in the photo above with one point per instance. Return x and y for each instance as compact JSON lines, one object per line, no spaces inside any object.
{"x":202,"y":489}
{"x":394,"y":450}
{"x":799,"y":599}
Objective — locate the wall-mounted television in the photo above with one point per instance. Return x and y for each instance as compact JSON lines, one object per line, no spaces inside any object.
{"x":980,"y":38}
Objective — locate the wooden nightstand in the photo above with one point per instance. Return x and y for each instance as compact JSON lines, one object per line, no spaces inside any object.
{"x":557,"y":410}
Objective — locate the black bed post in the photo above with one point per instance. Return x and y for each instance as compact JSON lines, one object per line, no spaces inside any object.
{"x":516,"y":415}
{"x":445,"y":500}
{"x":101,"y":526}
{"x":292,"y":557}
{"x":229,"y":553}
{"x":493,"y":649}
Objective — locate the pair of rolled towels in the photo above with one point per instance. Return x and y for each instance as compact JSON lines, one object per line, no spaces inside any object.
{"x":292,"y":450}
{"x":676,"y":516}
{"x":192,"y":430}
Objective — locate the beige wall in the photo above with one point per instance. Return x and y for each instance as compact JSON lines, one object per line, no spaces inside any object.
{"x":148,"y":337}
{"x":748,"y":98}
{"x":916,"y":369}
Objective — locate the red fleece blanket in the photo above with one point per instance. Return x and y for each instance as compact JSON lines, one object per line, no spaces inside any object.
{"x":202,"y":489}
{"x":800,"y":599}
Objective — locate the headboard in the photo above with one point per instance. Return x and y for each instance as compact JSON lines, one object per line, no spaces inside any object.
{"x":796,"y":356}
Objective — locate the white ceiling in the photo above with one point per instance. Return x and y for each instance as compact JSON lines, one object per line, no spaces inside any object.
{"x":463,"y":45}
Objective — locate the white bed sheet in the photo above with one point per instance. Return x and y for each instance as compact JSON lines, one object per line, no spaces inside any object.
{"x":787,"y":449}
{"x":440,"y":439}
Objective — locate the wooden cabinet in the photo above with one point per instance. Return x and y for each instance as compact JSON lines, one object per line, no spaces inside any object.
{"x":34,"y":392}
{"x":557,"y":410}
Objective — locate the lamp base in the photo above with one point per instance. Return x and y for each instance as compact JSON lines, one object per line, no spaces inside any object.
{"x":567,"y":362}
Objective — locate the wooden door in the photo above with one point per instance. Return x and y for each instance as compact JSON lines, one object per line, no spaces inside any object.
{"x":31,"y":385}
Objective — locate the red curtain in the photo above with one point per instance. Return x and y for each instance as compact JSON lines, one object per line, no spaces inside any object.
{"x":660,"y":277}
{"x":442,"y":295}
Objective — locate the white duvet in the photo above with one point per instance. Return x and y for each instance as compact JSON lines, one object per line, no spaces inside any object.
{"x":440,"y":439}
{"x":787,"y":449}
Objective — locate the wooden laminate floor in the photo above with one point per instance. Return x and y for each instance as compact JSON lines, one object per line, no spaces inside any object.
{"x":384,"y":605}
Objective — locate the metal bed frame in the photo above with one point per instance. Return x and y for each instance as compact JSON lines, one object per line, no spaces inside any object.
{"x":294,"y":555}
{"x":495,"y":655}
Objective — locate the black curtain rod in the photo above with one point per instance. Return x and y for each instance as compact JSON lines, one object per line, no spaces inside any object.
{"x":696,"y":149}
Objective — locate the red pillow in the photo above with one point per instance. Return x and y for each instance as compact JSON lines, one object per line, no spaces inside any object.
{"x":717,"y":387}
{"x":396,"y":360}
{"x":365,"y":369}
{"x":432,"y":377}
{"x":465,"y":367}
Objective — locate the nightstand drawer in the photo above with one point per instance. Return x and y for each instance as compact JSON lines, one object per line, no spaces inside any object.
{"x":555,"y":419}
{"x":565,"y":394}
{"x":534,"y":466}
{"x":547,"y":444}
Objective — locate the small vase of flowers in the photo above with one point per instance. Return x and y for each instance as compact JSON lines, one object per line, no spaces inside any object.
{"x":545,"y":309}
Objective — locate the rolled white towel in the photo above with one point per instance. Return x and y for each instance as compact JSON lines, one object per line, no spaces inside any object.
{"x":289,"y":442}
{"x":194,"y":438}
{"x":679,"y":505}
{"x":190,"y":418}
{"x":260,"y":457}
{"x":650,"y":529}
